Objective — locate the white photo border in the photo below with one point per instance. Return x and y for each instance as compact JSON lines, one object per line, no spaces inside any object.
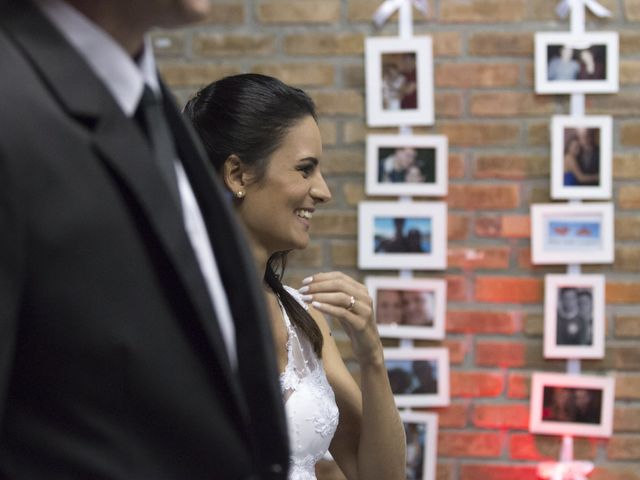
{"x":439,"y":143}
{"x":539,"y":212}
{"x":540,"y":380}
{"x":609,"y":85}
{"x":605,"y":125}
{"x":439,"y":289}
{"x":368,"y":258}
{"x":552,"y":284}
{"x":430,"y":453}
{"x":441,"y":356}
{"x":375,"y":47}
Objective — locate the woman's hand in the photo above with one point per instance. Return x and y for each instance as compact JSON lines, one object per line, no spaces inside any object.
{"x":340,"y":296}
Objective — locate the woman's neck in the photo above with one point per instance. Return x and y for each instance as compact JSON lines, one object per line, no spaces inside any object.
{"x":261,"y":258}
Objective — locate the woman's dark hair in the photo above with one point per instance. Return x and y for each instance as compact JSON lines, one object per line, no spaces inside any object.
{"x":248,"y":116}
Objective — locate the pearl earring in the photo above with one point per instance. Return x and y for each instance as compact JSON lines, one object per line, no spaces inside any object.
{"x":240,"y":194}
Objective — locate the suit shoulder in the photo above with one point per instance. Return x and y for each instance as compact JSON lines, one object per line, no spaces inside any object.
{"x":18,"y":76}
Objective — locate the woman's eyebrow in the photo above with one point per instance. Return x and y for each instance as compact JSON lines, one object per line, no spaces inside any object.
{"x":314,"y":160}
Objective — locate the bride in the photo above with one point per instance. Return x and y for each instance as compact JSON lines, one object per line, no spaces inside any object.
{"x":262,"y":137}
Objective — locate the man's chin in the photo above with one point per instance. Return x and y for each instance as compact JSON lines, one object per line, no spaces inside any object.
{"x":187,"y":13}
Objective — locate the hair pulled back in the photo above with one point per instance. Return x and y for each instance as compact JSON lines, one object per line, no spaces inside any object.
{"x":249,"y":115}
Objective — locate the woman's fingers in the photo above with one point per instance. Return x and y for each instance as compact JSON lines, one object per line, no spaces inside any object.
{"x":341,"y":297}
{"x":329,"y":279}
{"x":335,"y":282}
{"x":354,"y":322}
{"x":338,"y":299}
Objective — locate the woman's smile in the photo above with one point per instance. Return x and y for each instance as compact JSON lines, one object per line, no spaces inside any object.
{"x":304,"y":216}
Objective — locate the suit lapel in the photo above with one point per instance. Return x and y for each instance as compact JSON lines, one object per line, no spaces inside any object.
{"x":124,"y":150}
{"x":257,"y":360}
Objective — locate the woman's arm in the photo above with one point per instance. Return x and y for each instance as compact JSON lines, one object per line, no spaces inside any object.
{"x":370,"y":440}
{"x":571,"y":165}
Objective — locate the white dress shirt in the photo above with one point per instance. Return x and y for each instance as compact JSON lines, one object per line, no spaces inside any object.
{"x":125,"y":79}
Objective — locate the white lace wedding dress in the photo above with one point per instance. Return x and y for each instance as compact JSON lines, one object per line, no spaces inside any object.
{"x":310,"y":405}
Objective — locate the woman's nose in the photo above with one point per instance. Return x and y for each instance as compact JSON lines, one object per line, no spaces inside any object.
{"x":320,"y":190}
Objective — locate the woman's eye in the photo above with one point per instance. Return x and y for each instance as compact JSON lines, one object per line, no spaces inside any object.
{"x":306,"y":169}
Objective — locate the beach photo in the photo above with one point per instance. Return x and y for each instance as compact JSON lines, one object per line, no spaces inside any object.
{"x":397,"y":235}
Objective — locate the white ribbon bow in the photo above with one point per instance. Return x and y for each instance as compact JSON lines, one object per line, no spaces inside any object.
{"x":598,"y":10}
{"x":388,"y":7}
{"x":565,"y":470}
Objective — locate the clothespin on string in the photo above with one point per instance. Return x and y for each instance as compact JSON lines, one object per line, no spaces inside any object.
{"x":389,"y":7}
{"x":564,"y":7}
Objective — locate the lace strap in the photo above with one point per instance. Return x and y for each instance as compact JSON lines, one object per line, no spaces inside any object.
{"x":296,"y":295}
{"x":301,"y":357}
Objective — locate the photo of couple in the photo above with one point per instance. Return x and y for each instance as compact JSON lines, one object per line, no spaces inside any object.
{"x":575,"y":316}
{"x":405,"y":307}
{"x":412,"y":376}
{"x":416,"y":443}
{"x":399,"y":81}
{"x":406,"y":165}
{"x":568,"y":63}
{"x":581,"y":163}
{"x":579,"y":405}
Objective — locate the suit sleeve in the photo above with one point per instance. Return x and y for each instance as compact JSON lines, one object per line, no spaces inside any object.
{"x":11,"y":275}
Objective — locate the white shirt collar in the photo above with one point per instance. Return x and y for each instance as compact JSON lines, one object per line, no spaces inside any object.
{"x":123,"y":77}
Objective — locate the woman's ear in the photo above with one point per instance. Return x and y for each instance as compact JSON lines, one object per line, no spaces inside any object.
{"x":233,"y":174}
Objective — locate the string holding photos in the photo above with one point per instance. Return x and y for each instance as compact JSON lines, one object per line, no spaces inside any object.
{"x":389,"y":7}
{"x":564,"y":8}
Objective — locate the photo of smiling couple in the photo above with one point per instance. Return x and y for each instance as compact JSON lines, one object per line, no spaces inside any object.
{"x":144,"y":329}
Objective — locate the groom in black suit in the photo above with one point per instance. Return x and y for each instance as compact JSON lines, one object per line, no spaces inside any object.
{"x":133,"y":339}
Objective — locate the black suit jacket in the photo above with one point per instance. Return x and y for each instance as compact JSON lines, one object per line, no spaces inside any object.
{"x":112,"y":364}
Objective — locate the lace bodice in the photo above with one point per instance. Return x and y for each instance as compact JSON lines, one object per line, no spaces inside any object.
{"x":312,"y":413}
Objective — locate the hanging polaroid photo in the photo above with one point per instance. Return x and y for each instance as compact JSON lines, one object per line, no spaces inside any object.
{"x":421,"y":430}
{"x":407,"y":165}
{"x":572,"y":233}
{"x":401,"y":235}
{"x":576,"y":63}
{"x":399,"y":81}
{"x":574,"y":317}
{"x":581,"y":157}
{"x":419,"y":377}
{"x":578,"y":405}
{"x":409,"y":307}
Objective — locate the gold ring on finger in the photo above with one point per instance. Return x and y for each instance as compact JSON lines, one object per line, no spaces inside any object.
{"x":352,"y":303}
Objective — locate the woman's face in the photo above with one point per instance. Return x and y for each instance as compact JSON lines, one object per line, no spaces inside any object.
{"x":561,"y":397}
{"x":277,"y":210}
{"x":573,"y":148}
{"x":414,"y":175}
{"x":389,"y":307}
{"x":415,"y":308}
{"x":585,"y":306}
{"x":405,"y":157}
{"x":569,"y":299}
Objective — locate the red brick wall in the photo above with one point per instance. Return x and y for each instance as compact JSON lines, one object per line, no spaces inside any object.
{"x":499,"y":165}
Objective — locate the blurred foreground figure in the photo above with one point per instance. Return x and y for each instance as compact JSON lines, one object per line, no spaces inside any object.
{"x":134,"y":342}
